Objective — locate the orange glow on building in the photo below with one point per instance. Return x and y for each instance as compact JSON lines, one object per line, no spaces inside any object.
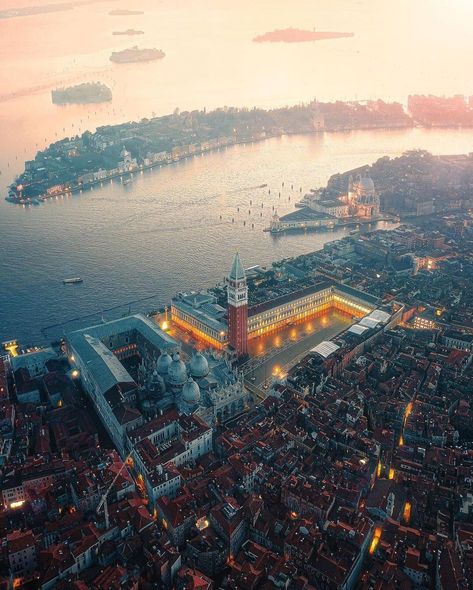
{"x":140,"y":483}
{"x":284,"y":316}
{"x":406,"y":515}
{"x":18,"y":504}
{"x":392,"y":473}
{"x":202,"y":523}
{"x":335,"y":303}
{"x":375,"y":540}
{"x":378,"y":469}
{"x":198,"y":334}
{"x":408,"y":411}
{"x":401,"y":441}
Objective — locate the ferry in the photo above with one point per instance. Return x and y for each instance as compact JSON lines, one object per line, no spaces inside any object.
{"x":72,"y":281}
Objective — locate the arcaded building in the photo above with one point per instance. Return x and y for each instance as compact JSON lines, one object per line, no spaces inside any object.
{"x":231,"y":329}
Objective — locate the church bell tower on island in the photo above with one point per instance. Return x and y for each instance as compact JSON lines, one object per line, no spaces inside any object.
{"x":237,"y":308}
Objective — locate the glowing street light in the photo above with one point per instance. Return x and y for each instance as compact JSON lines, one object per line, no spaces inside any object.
{"x":18,"y":504}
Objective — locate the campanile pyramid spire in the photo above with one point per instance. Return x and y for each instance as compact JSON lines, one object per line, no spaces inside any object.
{"x":237,"y":307}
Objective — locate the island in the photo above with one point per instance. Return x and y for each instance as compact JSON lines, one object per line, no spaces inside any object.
{"x":128,"y":32}
{"x":134,"y":54}
{"x":44,"y":9}
{"x":124,"y":12}
{"x":292,"y":35}
{"x":87,"y":93}
{"x":79,"y":162}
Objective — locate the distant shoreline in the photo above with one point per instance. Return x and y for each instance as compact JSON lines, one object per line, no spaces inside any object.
{"x":77,"y":163}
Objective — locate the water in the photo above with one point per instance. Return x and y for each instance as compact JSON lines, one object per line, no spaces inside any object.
{"x":163,"y":233}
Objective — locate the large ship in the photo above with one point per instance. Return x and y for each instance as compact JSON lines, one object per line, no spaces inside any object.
{"x":128,"y":32}
{"x":90,"y":92}
{"x":135,"y":54}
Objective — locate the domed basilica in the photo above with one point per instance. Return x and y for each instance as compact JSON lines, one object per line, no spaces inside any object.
{"x":205,"y":385}
{"x":362,"y":197}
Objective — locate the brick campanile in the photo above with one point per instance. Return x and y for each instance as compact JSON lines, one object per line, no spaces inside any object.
{"x":238,"y":308}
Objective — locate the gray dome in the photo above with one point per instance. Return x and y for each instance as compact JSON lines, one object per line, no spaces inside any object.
{"x":199,"y":367}
{"x":191,"y":392}
{"x":177,"y":373}
{"x":164,"y":362}
{"x":366,"y":184}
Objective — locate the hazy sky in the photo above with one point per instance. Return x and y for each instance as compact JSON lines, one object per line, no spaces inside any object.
{"x":399,"y":47}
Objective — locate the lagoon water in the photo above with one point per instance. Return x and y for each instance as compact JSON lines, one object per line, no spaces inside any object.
{"x":172,"y":229}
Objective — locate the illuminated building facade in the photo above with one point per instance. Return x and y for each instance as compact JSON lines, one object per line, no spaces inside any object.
{"x":304,"y":304}
{"x":362,"y":197}
{"x":200,"y":314}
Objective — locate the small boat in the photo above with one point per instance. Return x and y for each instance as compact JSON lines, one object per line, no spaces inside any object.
{"x":127,"y":181}
{"x":72,"y":281}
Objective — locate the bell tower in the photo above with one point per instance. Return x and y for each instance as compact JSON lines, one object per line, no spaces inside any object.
{"x":237,"y":307}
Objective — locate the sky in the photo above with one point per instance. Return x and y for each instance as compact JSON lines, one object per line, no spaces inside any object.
{"x":398,"y":48}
